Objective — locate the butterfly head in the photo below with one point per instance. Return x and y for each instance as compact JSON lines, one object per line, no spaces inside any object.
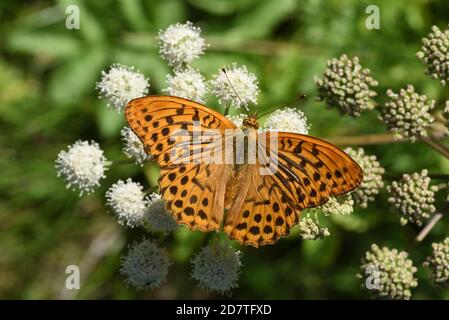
{"x":251,"y":122}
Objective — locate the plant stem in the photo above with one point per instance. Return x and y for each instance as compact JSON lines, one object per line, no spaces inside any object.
{"x":226,"y":111}
{"x":121,"y":161}
{"x":429,"y":226}
{"x":436,"y":145}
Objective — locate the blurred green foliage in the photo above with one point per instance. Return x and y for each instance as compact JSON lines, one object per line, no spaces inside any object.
{"x":48,"y":100}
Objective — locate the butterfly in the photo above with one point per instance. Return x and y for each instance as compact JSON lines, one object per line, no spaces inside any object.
{"x":255,"y":209}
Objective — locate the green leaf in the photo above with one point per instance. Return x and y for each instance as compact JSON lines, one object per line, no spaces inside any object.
{"x":260,"y":21}
{"x":77,"y":77}
{"x":109,"y":122}
{"x":133,"y":12}
{"x":50,"y":44}
{"x":90,"y":27}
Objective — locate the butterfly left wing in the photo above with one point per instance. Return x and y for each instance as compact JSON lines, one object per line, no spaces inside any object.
{"x":308,"y":172}
{"x":193,"y":191}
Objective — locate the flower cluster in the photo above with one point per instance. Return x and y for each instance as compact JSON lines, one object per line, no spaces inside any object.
{"x":342,"y":205}
{"x":82,"y":166}
{"x":288,"y":120}
{"x":181,"y":43}
{"x":388,"y":273}
{"x":156,"y":215}
{"x":435,"y":54}
{"x":372,"y":176}
{"x":186,"y":83}
{"x":127,"y":202}
{"x":347,"y":86}
{"x":310,"y":228}
{"x":438,"y":262}
{"x":121,"y":84}
{"x":413,"y":197}
{"x":145,"y":266}
{"x":243,"y":82}
{"x":217,"y":267}
{"x":407,"y":114}
{"x":133,"y":147}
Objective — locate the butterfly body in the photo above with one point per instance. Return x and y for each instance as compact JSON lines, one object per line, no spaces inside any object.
{"x":256,"y":198}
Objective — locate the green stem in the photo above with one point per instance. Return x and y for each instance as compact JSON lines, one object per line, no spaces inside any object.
{"x":121,"y":161}
{"x":435,"y":145}
{"x":226,"y":111}
{"x":429,"y":226}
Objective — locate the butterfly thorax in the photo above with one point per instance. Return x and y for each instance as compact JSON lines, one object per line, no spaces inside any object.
{"x":251,"y":122}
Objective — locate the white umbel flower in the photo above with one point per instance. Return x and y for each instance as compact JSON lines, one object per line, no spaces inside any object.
{"x":388,"y":273}
{"x":121,"y":84}
{"x":217,"y":267}
{"x":372,"y":176}
{"x":438,"y":263}
{"x":237,"y":119}
{"x":145,"y":266}
{"x":187,"y":83}
{"x":82,"y":166}
{"x":126,"y":199}
{"x":407,"y":114}
{"x":310,"y":228}
{"x":413,"y":197}
{"x":133,"y":147}
{"x":157,"y":216}
{"x":181,"y":43}
{"x":244,"y":83}
{"x":288,"y":120}
{"x":342,"y":205}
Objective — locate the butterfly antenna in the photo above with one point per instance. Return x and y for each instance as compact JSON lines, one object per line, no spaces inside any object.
{"x":235,"y":91}
{"x":300,"y":98}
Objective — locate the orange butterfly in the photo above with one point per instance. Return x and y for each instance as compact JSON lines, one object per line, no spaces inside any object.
{"x":255,"y":209}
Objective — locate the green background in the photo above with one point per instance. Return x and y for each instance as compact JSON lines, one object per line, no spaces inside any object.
{"x":48,"y":101}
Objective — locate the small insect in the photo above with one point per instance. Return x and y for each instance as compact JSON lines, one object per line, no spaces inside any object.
{"x":254,"y":208}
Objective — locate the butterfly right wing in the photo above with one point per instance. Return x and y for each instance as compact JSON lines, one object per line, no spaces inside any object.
{"x":307,"y":172}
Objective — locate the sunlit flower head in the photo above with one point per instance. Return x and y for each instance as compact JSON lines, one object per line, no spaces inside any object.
{"x":413,"y":197}
{"x":435,"y":54}
{"x":145,"y":266}
{"x":121,"y":84}
{"x":217,"y":267}
{"x":181,"y":43}
{"x":126,"y":199}
{"x":82,"y":166}
{"x":133,"y":147}
{"x":407,"y":114}
{"x":342,"y":205}
{"x":288,"y":120}
{"x":244,"y":83}
{"x":347,"y":86}
{"x":388,"y":273}
{"x":186,"y":83}
{"x":438,"y":263}
{"x":372,"y":176}
{"x":156,"y":215}
{"x":310,"y":228}
{"x":238,"y":119}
